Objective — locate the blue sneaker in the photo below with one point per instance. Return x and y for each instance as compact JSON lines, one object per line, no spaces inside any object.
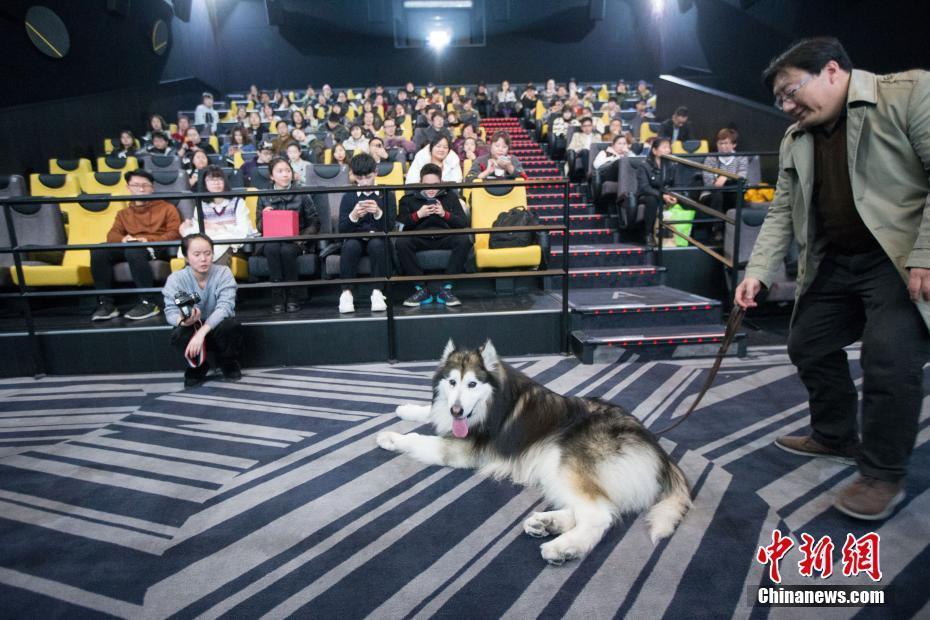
{"x":421,"y":297}
{"x":445,"y":297}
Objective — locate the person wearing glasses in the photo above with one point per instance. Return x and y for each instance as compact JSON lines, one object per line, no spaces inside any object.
{"x":139,"y":223}
{"x":852,"y":190}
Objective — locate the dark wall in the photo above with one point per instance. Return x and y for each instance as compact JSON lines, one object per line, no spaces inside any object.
{"x":738,"y":44}
{"x":334,"y":42}
{"x":110,"y":78}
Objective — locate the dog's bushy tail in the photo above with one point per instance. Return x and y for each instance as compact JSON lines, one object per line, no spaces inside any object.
{"x":667,"y":513}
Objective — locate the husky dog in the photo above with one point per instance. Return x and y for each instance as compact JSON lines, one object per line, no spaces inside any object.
{"x":591,"y":459}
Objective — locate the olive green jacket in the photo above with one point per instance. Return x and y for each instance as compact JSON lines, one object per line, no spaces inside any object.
{"x":888,"y":137}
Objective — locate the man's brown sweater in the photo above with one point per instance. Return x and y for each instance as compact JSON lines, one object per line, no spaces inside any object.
{"x":156,"y":220}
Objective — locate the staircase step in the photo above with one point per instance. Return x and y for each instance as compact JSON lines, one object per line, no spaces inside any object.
{"x":550,"y":198}
{"x":580,"y":220}
{"x":640,"y":307}
{"x":614,"y":276}
{"x":584,"y":235}
{"x":653,"y":343}
{"x":556,"y":209}
{"x":598,"y":255}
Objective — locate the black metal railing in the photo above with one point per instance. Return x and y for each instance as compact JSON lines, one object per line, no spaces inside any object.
{"x":25,"y":293}
{"x":739,"y":185}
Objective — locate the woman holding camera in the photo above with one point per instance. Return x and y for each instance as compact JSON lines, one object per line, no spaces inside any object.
{"x":200,"y":301}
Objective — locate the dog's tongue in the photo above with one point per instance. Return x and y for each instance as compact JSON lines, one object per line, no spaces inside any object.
{"x":459,"y":427}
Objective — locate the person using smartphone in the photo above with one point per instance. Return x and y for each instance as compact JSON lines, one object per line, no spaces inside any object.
{"x":432,"y":209}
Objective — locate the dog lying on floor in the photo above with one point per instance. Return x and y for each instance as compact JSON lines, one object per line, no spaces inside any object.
{"x":591,"y":459}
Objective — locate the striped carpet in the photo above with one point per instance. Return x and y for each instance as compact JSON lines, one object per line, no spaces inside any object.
{"x":127,"y":496}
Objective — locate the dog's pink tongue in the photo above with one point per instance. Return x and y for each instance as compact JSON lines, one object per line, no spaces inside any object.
{"x":459,"y":427}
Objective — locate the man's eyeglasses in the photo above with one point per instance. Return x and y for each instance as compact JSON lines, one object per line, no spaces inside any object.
{"x":791,"y":93}
{"x":140,"y":185}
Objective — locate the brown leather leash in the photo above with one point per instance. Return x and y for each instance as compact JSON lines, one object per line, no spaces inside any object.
{"x":736,"y":318}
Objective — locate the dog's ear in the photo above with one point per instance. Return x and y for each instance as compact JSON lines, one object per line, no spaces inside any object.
{"x":450,"y":347}
{"x":489,"y":356}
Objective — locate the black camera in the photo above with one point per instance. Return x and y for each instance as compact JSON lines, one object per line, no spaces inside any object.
{"x":185,"y":302}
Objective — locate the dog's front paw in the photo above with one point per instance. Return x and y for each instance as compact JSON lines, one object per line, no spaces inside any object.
{"x":536,"y":526}
{"x":415,"y":413}
{"x":389,"y":440}
{"x":557,"y":552}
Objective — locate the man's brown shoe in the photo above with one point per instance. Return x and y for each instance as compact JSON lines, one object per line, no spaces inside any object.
{"x":870,"y":499}
{"x":808,"y":446}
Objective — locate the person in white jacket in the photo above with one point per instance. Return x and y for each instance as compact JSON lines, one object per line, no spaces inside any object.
{"x":439,"y":152}
{"x":205,"y":114}
{"x":223,"y":218}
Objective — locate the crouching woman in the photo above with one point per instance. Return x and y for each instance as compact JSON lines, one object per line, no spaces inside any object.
{"x":200,"y":301}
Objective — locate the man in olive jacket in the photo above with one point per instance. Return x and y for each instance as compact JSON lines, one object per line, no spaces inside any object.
{"x":852,"y":191}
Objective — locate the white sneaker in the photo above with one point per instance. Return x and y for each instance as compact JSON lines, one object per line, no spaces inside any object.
{"x":378,"y":302}
{"x":346,"y":303}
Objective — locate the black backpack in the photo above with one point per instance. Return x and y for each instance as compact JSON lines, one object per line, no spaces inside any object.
{"x":518,"y":216}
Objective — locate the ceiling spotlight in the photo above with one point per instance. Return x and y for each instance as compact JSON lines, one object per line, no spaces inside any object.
{"x":658,"y":6}
{"x":438,"y":39}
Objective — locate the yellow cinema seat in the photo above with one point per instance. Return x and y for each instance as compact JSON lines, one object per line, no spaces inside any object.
{"x":117,"y":164}
{"x":56,"y":185}
{"x":691,"y":147}
{"x":69,"y":166}
{"x":391,"y":173}
{"x":486,"y":204}
{"x":87,"y":223}
{"x":648,"y":130}
{"x":103,"y":183}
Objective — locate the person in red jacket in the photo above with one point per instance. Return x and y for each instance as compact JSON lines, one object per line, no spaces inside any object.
{"x":139,"y":223}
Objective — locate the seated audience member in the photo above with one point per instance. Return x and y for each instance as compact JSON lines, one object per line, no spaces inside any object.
{"x":581,"y":142}
{"x":360,"y":212}
{"x":282,"y":139}
{"x":335,"y":130}
{"x":642,"y":116}
{"x":223,"y":218}
{"x":255,"y":129}
{"x":621,"y":90}
{"x":653,"y":178}
{"x":377,"y":151}
{"x":298,"y":164}
{"x":239,"y":142}
{"x":179,"y":136}
{"x":192,"y":140}
{"x":196,"y":164}
{"x":642,"y":90}
{"x":469,"y":132}
{"x":340,"y":155}
{"x":506,"y":104}
{"x":614,"y":129}
{"x":432,"y":209}
{"x":562,"y":122}
{"x":309,"y":141}
{"x":482,"y":100}
{"x":205,"y":114}
{"x":159,"y":144}
{"x":268,"y":115}
{"x":262,"y":158}
{"x":401,"y":114}
{"x":286,"y":105}
{"x":438,"y":152}
{"x":126,"y":145}
{"x":677,"y":127}
{"x":469,"y":151}
{"x":437,"y":127}
{"x":242,"y":116}
{"x":727,"y":160}
{"x":211,"y":325}
{"x":282,"y":255}
{"x":498,"y":165}
{"x":607,"y":161}
{"x":598,"y":123}
{"x":298,"y":121}
{"x":356,"y":142}
{"x":612,"y":109}
{"x":371,"y":124}
{"x":453,"y":124}
{"x":139,"y":223}
{"x":549,"y":93}
{"x":468,"y":115}
{"x":529,"y":98}
{"x":156,"y":124}
{"x":392,"y":139}
{"x":410,"y":90}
